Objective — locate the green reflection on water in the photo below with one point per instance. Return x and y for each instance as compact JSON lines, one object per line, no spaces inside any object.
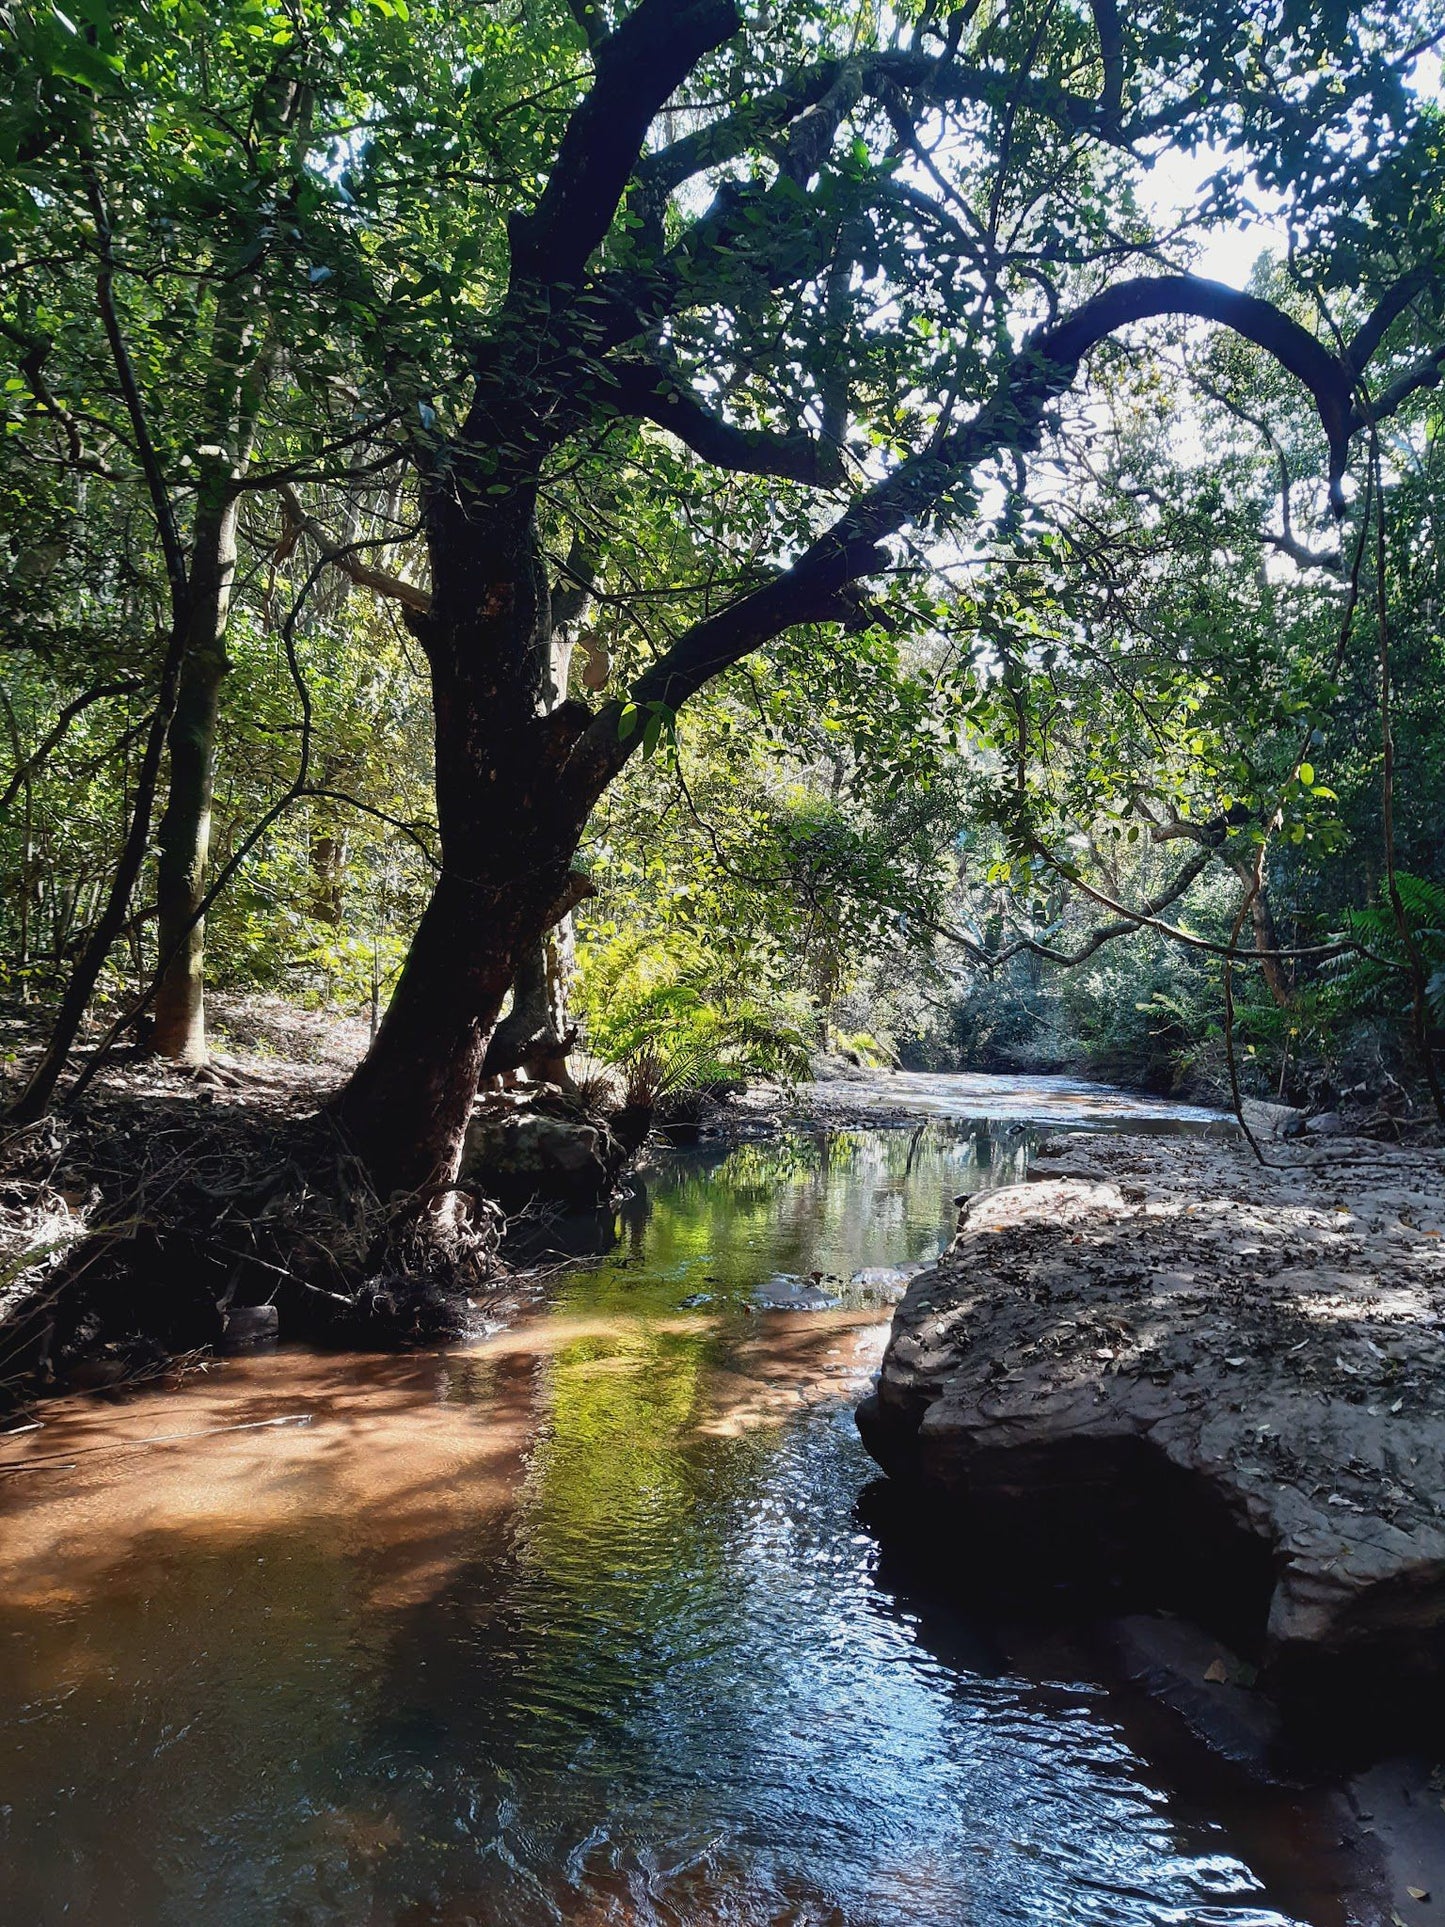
{"x":645,"y":1674}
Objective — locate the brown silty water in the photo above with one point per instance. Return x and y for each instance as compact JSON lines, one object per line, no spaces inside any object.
{"x":577,"y":1623}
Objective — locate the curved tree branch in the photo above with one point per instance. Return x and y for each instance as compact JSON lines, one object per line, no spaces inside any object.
{"x":816,"y":587}
{"x":26,"y":768}
{"x":642,"y":388}
{"x":638,"y":67}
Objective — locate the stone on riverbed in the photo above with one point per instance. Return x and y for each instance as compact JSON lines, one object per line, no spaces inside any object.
{"x":785,"y":1291}
{"x":1165,"y":1375}
{"x":1272,"y":1120}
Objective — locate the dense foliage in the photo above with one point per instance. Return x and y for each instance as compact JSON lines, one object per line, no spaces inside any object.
{"x":1104,"y":694}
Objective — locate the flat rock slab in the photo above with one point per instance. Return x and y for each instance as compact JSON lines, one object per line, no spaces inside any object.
{"x":1161,"y":1368}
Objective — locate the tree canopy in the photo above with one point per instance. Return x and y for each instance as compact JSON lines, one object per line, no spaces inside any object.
{"x":771,"y":477}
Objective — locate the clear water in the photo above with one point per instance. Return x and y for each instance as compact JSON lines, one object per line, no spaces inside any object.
{"x":1021,"y":1099}
{"x":575,"y":1625}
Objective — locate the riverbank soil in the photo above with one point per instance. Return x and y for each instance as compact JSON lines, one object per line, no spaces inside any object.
{"x":171,"y":1212}
{"x":1162,"y":1376}
{"x":142,"y":1227}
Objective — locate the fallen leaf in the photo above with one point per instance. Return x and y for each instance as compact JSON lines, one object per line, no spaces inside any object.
{"x":1418,"y":1893}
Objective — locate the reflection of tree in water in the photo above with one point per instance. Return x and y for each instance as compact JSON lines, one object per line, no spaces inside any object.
{"x":655,"y":1681}
{"x":694,"y":1704}
{"x":802,"y":1202}
{"x":570,"y":1695}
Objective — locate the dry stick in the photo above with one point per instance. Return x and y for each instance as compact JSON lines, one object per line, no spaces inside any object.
{"x":1418,"y":993}
{"x":1256,"y":882}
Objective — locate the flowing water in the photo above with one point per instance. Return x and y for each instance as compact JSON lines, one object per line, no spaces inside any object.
{"x":1021,"y":1099}
{"x":576,"y":1624}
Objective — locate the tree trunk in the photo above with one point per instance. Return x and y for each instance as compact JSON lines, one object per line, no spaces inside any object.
{"x":405,"y":1108}
{"x":240,"y":377}
{"x":509,"y":826}
{"x":1266,"y":939}
{"x":185,"y":828}
{"x":327,"y":846}
{"x":535,"y":1035}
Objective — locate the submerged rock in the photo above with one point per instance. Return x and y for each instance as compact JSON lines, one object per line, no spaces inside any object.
{"x":881,"y":1284}
{"x":785,"y":1291}
{"x":1159,"y":1374}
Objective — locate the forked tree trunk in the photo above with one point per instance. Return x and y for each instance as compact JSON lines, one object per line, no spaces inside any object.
{"x":406,"y":1107}
{"x":509,"y":825}
{"x":536,"y":1034}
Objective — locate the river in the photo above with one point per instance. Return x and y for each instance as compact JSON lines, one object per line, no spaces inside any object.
{"x":578,"y":1623}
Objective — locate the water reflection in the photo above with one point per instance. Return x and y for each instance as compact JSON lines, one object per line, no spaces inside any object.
{"x":577,"y":1625}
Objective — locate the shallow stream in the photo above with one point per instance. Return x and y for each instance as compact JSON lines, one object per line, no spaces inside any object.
{"x":577,"y":1624}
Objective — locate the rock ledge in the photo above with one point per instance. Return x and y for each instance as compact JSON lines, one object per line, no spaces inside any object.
{"x":1161,"y":1375}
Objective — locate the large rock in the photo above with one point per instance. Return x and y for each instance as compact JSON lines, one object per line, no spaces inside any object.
{"x":522,"y":1155}
{"x":1165,"y":1375}
{"x":1272,"y":1120}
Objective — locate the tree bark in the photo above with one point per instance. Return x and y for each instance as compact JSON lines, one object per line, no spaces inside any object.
{"x":1266,"y":939}
{"x":185,"y":828}
{"x":509,"y":823}
{"x":536,"y":1034}
{"x":239,"y":377}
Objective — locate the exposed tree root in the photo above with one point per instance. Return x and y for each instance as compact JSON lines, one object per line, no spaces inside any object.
{"x":132,"y":1231}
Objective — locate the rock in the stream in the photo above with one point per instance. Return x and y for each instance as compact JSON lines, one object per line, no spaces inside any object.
{"x":1173,"y":1377}
{"x":248,"y":1328}
{"x":522,"y":1156}
{"x":882,"y":1284}
{"x":784,"y":1291}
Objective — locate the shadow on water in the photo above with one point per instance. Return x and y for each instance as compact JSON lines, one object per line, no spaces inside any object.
{"x":579,"y":1624}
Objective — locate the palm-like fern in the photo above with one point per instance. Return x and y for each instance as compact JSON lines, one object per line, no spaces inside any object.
{"x":663,"y":1012}
{"x":1378,"y":980}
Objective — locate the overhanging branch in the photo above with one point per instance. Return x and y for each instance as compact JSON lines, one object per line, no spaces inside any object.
{"x":1122,"y":925}
{"x":646,"y":390}
{"x":815,"y":588}
{"x":638,"y":67}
